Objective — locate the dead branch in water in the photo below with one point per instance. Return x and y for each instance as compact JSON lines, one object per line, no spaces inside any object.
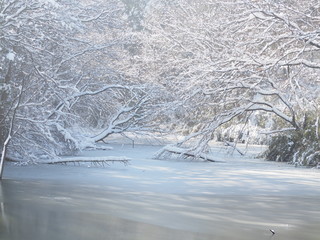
{"x":183,"y":153}
{"x":93,"y":162}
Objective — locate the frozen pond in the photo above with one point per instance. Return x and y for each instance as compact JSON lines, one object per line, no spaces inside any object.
{"x":149,"y":199}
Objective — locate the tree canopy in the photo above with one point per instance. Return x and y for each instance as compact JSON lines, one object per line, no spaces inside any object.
{"x":72,"y":73}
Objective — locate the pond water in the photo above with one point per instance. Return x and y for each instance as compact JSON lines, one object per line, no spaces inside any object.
{"x":58,"y":210}
{"x":237,"y":198}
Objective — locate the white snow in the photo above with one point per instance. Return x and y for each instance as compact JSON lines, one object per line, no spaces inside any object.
{"x":233,"y":174}
{"x":53,"y":3}
{"x":10,"y":56}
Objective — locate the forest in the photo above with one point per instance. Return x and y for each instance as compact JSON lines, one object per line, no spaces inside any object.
{"x":75,"y":72}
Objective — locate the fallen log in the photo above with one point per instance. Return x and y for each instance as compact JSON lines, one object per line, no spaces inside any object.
{"x":100,"y":161}
{"x":184,"y":153}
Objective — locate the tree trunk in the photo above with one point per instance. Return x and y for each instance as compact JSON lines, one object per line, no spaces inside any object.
{"x":10,"y":132}
{"x":3,"y":155}
{"x":3,"y":110}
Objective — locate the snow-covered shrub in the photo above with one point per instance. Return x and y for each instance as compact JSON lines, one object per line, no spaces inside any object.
{"x":301,"y":147}
{"x":281,"y":149}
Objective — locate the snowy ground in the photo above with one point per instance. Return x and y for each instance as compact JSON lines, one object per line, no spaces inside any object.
{"x":237,"y":198}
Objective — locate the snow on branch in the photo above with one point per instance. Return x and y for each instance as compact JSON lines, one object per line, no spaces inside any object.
{"x":304,"y":62}
{"x":183,"y":153}
{"x":98,"y":15}
{"x":90,"y":19}
{"x":78,"y":95}
{"x":11,"y":131}
{"x":260,"y":104}
{"x":267,"y":107}
{"x":125,"y":118}
{"x":84,"y":51}
{"x":94,"y":161}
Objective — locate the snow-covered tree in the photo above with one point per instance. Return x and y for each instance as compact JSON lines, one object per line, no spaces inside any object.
{"x":227,"y":59}
{"x":66,"y":56}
